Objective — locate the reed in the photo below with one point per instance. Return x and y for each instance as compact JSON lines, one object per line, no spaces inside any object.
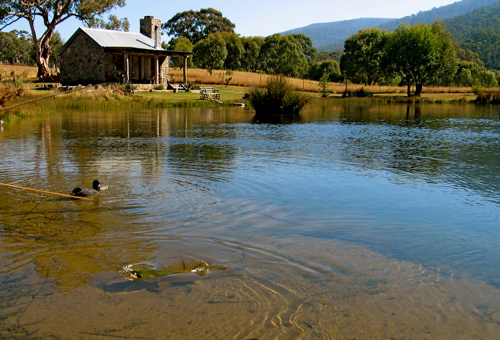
{"x":277,"y":97}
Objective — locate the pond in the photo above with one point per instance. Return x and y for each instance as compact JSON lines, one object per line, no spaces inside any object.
{"x":351,"y":222}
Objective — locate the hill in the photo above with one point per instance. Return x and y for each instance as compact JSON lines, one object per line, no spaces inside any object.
{"x":335,"y":32}
{"x":444,"y":12}
{"x":331,"y":36}
{"x":479,"y":31}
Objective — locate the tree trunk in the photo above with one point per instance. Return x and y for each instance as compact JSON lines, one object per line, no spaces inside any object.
{"x":43,"y":51}
{"x":418,"y":89}
{"x":408,"y":91}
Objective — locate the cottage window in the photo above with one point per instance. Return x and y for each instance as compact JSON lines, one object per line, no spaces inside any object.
{"x":119,"y":61}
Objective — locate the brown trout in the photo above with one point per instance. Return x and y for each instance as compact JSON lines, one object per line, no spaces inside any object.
{"x":153,"y":279}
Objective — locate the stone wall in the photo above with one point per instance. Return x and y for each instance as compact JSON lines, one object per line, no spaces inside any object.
{"x":147,"y":27}
{"x":164,"y":71}
{"x":84,"y":63}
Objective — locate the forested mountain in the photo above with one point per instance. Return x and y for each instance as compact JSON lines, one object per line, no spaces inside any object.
{"x":444,"y":12}
{"x":335,"y":32}
{"x":331,"y":36}
{"x":479,"y":31}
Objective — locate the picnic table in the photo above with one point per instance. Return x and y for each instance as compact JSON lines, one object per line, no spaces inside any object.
{"x":209,"y":93}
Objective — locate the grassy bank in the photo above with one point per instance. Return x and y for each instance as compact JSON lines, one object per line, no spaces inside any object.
{"x":231,"y":85}
{"x":247,"y":79}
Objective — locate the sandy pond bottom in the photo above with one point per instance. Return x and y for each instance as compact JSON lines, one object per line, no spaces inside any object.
{"x":367,"y":297}
{"x":354,"y":223}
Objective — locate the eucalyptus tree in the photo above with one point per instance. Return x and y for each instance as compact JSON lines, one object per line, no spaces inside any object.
{"x":447,"y":55}
{"x":283,"y":55}
{"x":180,"y":44}
{"x":307,"y":46}
{"x":469,"y":73}
{"x":328,"y":68}
{"x":51,"y":13}
{"x":252,"y":57}
{"x":365,"y":52}
{"x":16,"y":47}
{"x":420,"y":55}
{"x":235,"y":51}
{"x":113,"y":23}
{"x":197,"y":25}
{"x":210,"y":52}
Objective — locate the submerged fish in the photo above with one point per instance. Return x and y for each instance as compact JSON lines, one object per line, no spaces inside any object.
{"x":152,"y":280}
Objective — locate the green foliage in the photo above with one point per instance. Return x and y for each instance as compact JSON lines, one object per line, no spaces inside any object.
{"x":210,"y":52}
{"x":16,"y":47}
{"x":479,"y":31}
{"x":251,"y":61}
{"x":181,"y":44}
{"x":477,"y":87}
{"x":426,"y":17}
{"x":447,"y":55}
{"x":330,"y":68}
{"x":113,"y":23}
{"x":235,"y":51}
{"x":323,"y":56}
{"x":283,"y":55}
{"x":470,"y":73}
{"x":51,"y":13}
{"x":420,"y":53}
{"x":464,"y":76}
{"x":197,"y":25}
{"x":307,"y":45}
{"x":277,"y":97}
{"x":364,"y":55}
{"x":324,"y":87}
{"x":56,"y":43}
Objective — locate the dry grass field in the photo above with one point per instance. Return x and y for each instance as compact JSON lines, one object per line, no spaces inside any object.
{"x":239,"y":82}
{"x":247,"y":79}
{"x":20,"y":72}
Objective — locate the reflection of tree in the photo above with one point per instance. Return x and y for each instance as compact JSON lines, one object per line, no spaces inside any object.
{"x":63,"y":240}
{"x":210,"y":159}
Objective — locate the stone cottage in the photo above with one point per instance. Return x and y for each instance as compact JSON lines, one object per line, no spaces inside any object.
{"x":94,"y":56}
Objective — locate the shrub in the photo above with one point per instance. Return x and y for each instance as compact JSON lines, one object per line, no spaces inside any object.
{"x":478,"y":86}
{"x":277,"y":97}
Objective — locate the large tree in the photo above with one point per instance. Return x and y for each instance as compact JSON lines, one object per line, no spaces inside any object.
{"x":235,"y":51}
{"x":51,"y":13}
{"x":364,"y":55}
{"x":113,"y":23}
{"x":16,"y":47}
{"x":197,"y":25}
{"x":251,"y":60}
{"x":283,"y":55}
{"x":211,"y":52}
{"x":420,"y":54}
{"x":180,"y":44}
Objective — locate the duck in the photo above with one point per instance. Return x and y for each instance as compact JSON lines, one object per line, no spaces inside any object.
{"x":96,"y":188}
{"x":83,"y":192}
{"x":1,"y":121}
{"x":100,"y":186}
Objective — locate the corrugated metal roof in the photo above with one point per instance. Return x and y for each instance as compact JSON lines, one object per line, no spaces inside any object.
{"x":118,"y":39}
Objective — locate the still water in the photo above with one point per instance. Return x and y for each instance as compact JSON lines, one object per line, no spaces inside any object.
{"x":372,"y":222}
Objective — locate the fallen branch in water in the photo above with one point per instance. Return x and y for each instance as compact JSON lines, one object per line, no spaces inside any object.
{"x":45,"y":192}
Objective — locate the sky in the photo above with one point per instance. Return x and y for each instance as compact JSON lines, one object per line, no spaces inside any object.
{"x":259,"y":17}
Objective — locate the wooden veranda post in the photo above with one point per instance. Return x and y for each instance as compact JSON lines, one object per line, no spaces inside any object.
{"x":157,"y":70}
{"x":127,"y":68}
{"x":185,"y":73}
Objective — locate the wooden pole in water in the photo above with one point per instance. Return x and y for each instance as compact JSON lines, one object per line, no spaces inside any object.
{"x":46,"y":192}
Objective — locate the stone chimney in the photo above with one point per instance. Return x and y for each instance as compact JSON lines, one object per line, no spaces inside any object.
{"x":151,"y":27}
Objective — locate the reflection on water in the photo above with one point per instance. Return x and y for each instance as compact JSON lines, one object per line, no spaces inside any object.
{"x":351,"y":222}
